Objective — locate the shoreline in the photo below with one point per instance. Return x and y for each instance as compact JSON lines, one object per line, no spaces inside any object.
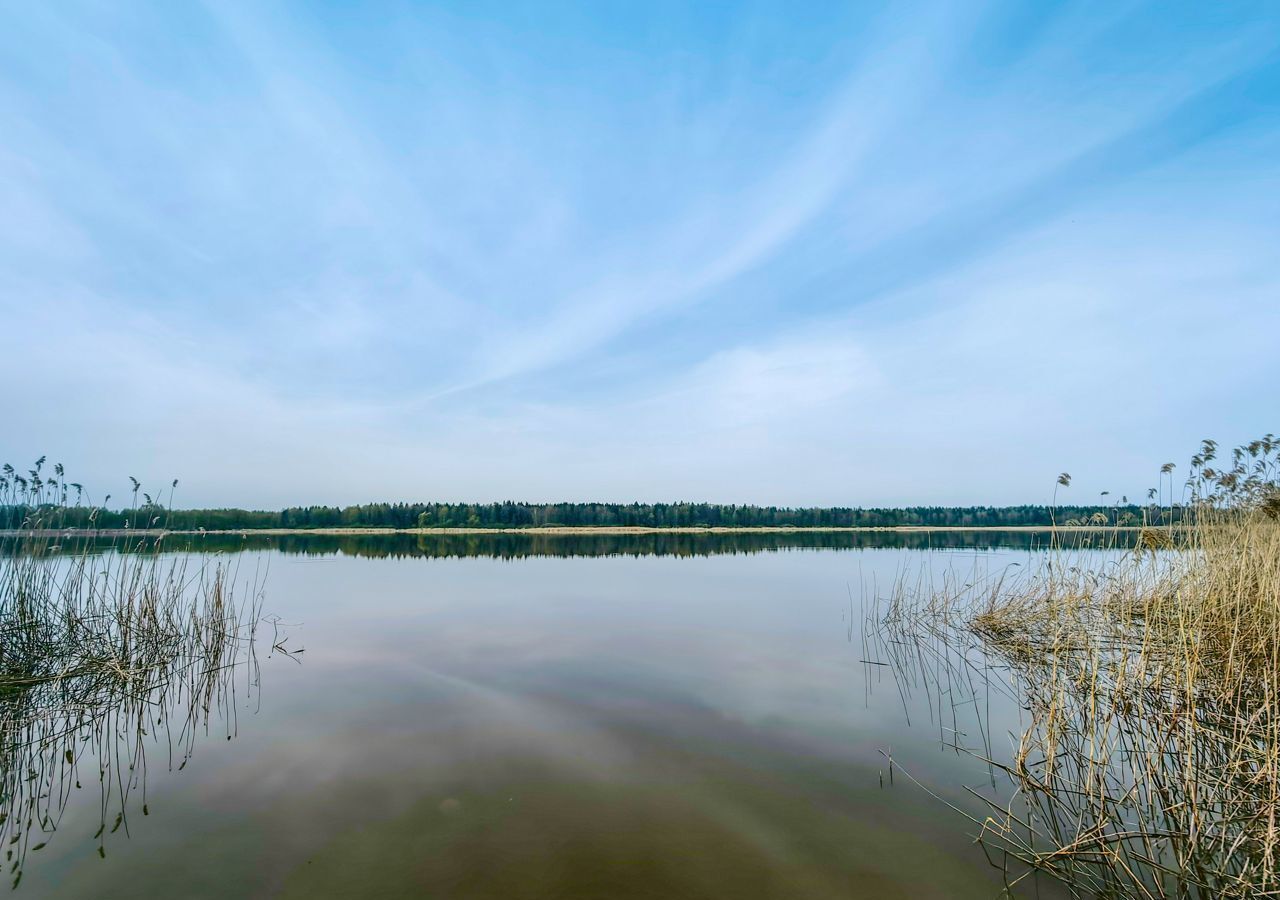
{"x":552,"y":530}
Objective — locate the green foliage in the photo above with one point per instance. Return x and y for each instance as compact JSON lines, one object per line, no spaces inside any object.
{"x":510,"y":514}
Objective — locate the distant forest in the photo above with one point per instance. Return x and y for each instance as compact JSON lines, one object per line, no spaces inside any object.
{"x":605,"y":515}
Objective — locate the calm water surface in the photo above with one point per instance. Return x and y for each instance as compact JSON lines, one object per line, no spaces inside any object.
{"x":493,"y":722}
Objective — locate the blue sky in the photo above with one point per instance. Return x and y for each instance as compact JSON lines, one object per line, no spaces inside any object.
{"x":745,"y":252}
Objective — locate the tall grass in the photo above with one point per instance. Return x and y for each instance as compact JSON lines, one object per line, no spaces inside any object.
{"x":102,"y":655}
{"x":1149,"y":764}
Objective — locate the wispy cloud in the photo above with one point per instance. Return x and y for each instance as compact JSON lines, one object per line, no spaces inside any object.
{"x":750,"y":254}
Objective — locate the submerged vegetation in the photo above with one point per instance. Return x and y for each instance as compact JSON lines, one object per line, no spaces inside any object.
{"x":1149,"y":764}
{"x":103,"y":655}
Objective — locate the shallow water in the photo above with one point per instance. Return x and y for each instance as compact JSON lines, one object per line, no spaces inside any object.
{"x":486,"y":723}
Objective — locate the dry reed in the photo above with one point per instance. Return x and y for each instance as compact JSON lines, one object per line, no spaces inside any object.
{"x":103,"y":653}
{"x":1149,"y":764}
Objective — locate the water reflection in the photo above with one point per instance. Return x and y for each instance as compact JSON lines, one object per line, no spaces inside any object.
{"x":614,"y":725}
{"x":518,"y":545}
{"x":1122,"y":776}
{"x":111,"y":668}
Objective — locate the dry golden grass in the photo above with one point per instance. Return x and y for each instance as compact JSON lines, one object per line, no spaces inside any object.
{"x":1149,"y":765}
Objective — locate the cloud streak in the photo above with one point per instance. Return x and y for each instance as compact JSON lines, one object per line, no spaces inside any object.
{"x":757,"y":257}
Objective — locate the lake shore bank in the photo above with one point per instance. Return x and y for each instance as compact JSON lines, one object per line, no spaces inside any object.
{"x":586,"y":529}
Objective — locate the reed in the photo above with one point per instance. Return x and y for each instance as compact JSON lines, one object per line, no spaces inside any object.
{"x":1149,"y":764}
{"x":104,"y":653}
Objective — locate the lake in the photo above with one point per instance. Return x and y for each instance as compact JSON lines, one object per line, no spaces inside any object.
{"x":506,"y":716}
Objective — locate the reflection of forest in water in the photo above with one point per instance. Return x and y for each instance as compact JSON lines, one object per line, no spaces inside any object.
{"x":514,"y":545}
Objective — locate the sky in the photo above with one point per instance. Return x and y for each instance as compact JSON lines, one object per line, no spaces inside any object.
{"x":779,"y":253}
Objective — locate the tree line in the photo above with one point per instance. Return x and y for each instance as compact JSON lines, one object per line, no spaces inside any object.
{"x":511,"y":514}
